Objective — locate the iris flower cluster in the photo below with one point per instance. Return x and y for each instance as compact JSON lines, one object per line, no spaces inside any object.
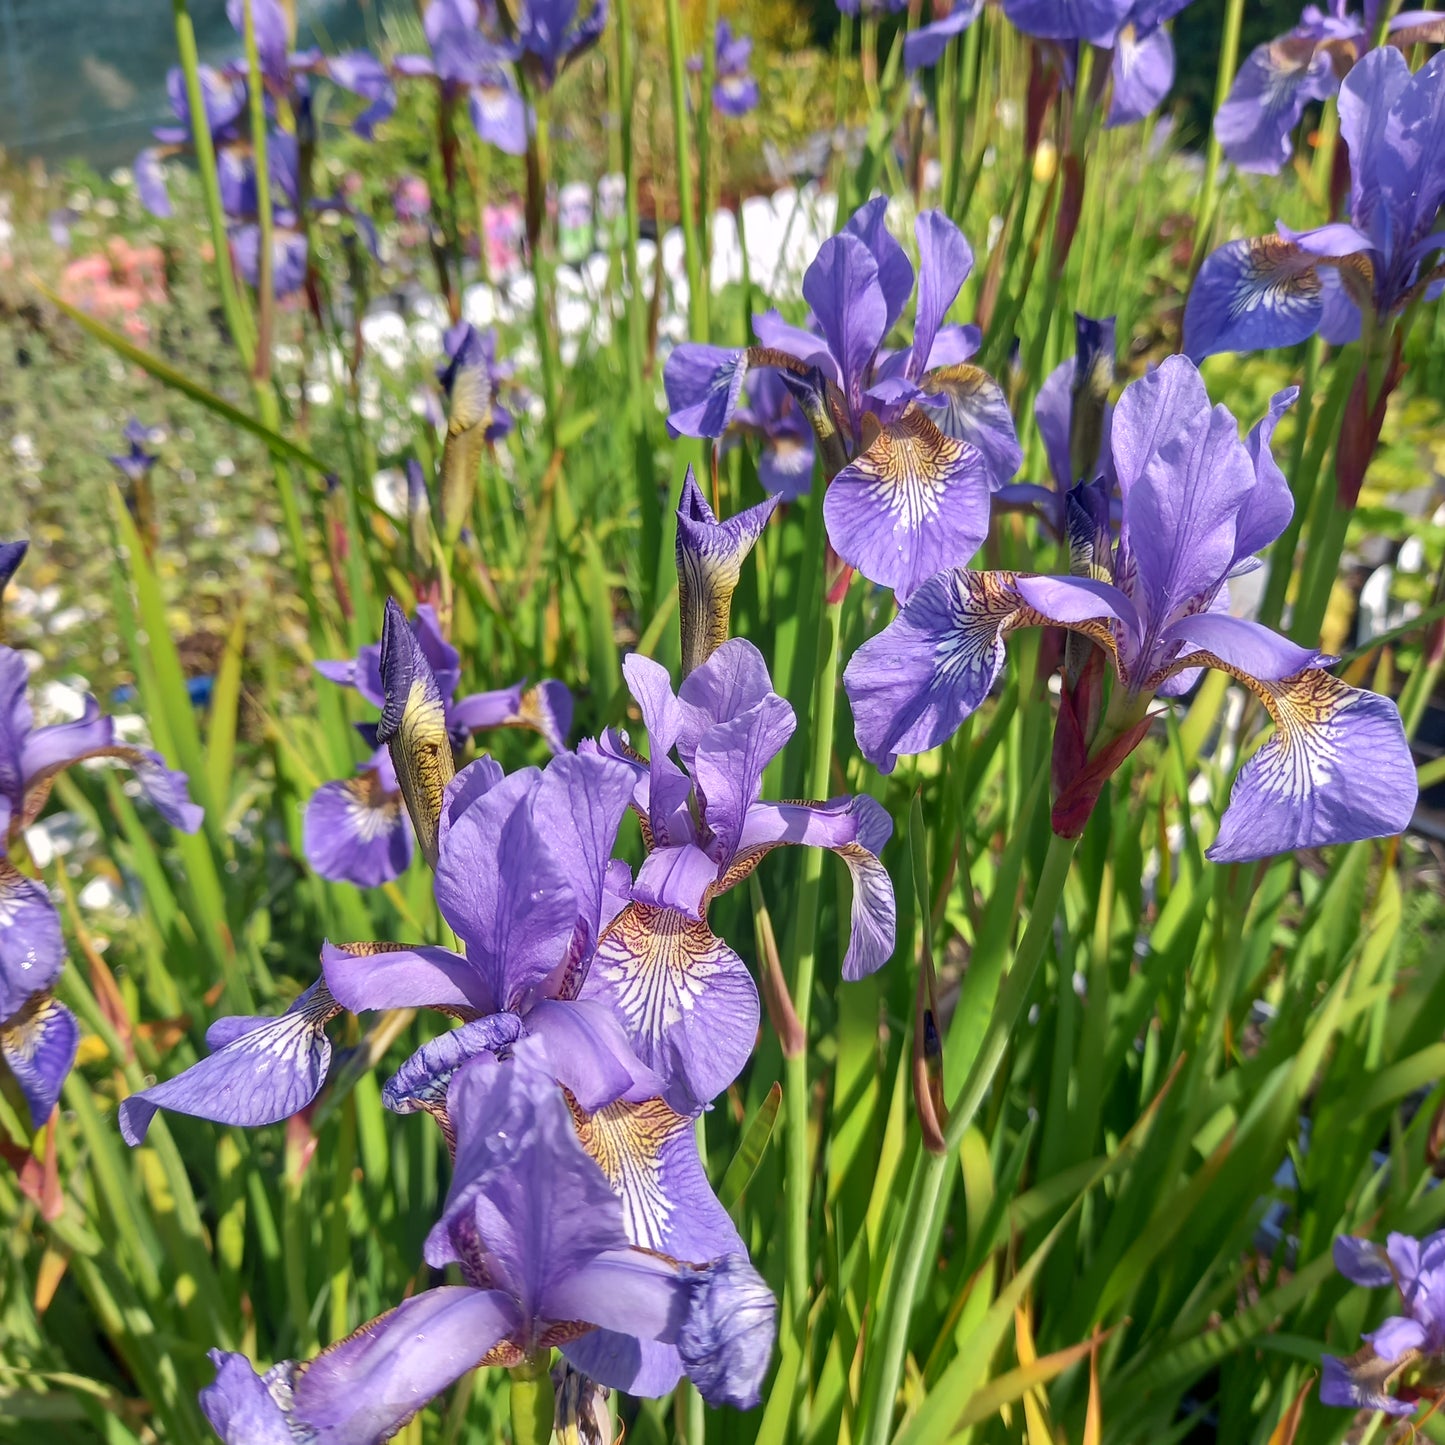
{"x":598,"y":1016}
{"x":1402,"y":1363}
{"x":1159,"y":499}
{"x":38,"y":1034}
{"x":1140,"y":54}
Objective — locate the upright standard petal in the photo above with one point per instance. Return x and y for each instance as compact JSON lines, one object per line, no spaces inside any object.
{"x":1267,"y":509}
{"x":260,"y":1076}
{"x":869,"y":223}
{"x":1096,"y":21}
{"x":38,"y":1046}
{"x":1252,"y":295}
{"x":709,"y":566}
{"x":414,"y":727}
{"x":1337,"y":770}
{"x":1143,"y":73}
{"x":916,"y":501}
{"x":944,"y":262}
{"x":727,"y":767}
{"x":925,"y":46}
{"x":1362,"y":1262}
{"x":687,"y":1001}
{"x":843,"y":287}
{"x":245,"y":1408}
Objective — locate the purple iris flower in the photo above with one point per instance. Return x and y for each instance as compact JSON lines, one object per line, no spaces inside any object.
{"x":871,"y":7}
{"x":1416,"y":1269}
{"x":136,"y":462}
{"x":925,"y":46}
{"x":1142,"y":54}
{"x":1278,"y":290}
{"x":1072,"y":413}
{"x":689,"y":1005}
{"x":786,"y":451}
{"x":38,"y":1036}
{"x":916,"y":440}
{"x":356,"y":829}
{"x":735,"y":91}
{"x":225,"y":99}
{"x":550,"y":33}
{"x":1256,"y":124}
{"x":463,"y":61}
{"x":1197,"y":504}
{"x":541,"y":1245}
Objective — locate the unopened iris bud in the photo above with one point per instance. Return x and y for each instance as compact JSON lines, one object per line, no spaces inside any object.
{"x":1089,"y":393}
{"x":414,"y":727}
{"x":582,"y":1416}
{"x":469,"y":387}
{"x":709,"y":563}
{"x":418,"y":517}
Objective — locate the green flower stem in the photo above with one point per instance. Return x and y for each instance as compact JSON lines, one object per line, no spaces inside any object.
{"x":265,"y":284}
{"x":531,"y":1400}
{"x":238,"y":318}
{"x":1214,"y":156}
{"x":917,"y":1231}
{"x":798,"y":1178}
{"x":544,"y":291}
{"x":692,"y":242}
{"x":705,"y":116}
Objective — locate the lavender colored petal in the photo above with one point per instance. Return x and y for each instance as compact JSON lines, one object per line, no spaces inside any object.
{"x":499,"y":114}
{"x":366,"y":1386}
{"x":1143,"y":73}
{"x":1367,"y":100}
{"x":1340,"y":320}
{"x":728,"y":767}
{"x":727,"y":1339}
{"x":481,"y":710}
{"x":647,"y":1369}
{"x":1256,"y":122}
{"x":394,"y":976}
{"x":1340,"y":1388}
{"x":736,"y":94}
{"x":421,"y":1082}
{"x":1053,"y":408}
{"x":869,"y":223}
{"x":676,"y":876}
{"x":912,"y":685}
{"x":1267,"y":509}
{"x":668,"y":787}
{"x":354,"y":832}
{"x":1249,"y":647}
{"x":1093,"y":20}
{"x":1397,"y":1336}
{"x":590,"y":1053}
{"x":785,"y":465}
{"x":703,"y":384}
{"x":32,"y":949}
{"x":259,"y":1077}
{"x":443,"y":659}
{"x":240,"y":1407}
{"x":150,"y":183}
{"x":38,"y":1046}
{"x":944,"y":263}
{"x":924,"y":47}
{"x":967,"y":404}
{"x":844,"y":289}
{"x":687,"y":1001}
{"x":1412,"y":159}
{"x":1362,"y":1262}
{"x":856,"y":829}
{"x":778,"y":335}
{"x":1252,"y":295}
{"x":915,"y":502}
{"x":733,"y":680}
{"x":1338,"y":769}
{"x":953,"y":345}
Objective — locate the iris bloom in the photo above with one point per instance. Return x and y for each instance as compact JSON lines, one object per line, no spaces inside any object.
{"x":1255,"y":125}
{"x":1415,"y":1268}
{"x":785,"y":451}
{"x":356,"y":829}
{"x":463,"y":61}
{"x":1072,"y":414}
{"x":735,"y":90}
{"x":687,"y":1001}
{"x":1197,"y":504}
{"x":38,"y":1036}
{"x":1141,"y":59}
{"x":542,"y":1249}
{"x":1278,"y":290}
{"x":915,"y":440}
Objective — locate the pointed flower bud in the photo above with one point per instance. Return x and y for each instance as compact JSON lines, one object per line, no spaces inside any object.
{"x":471,"y":390}
{"x":414,"y":727}
{"x":1089,"y":393}
{"x":709,"y":563}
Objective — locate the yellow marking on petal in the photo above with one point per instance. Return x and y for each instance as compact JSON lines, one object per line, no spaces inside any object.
{"x":25,"y":1032}
{"x":1279,"y":277}
{"x":627,"y":1141}
{"x":372,"y":810}
{"x":908,"y":465}
{"x":659,"y":963}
